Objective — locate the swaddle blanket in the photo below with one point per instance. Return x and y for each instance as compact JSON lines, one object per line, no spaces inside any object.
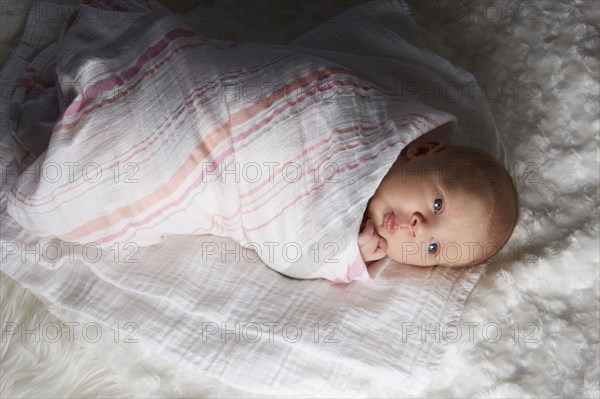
{"x":227,"y":316}
{"x":167,"y":132}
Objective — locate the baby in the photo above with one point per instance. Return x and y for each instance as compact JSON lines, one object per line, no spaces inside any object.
{"x":440,"y":205}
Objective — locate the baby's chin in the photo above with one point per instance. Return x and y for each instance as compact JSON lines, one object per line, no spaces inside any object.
{"x":457,"y":266}
{"x":402,"y":262}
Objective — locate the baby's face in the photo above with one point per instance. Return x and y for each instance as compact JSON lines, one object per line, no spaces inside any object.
{"x":423,"y":221}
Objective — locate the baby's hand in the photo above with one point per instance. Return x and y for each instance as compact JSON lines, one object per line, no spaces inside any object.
{"x":372,"y":246}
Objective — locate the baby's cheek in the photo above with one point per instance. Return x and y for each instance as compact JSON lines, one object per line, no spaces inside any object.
{"x":402,"y":252}
{"x":392,"y":251}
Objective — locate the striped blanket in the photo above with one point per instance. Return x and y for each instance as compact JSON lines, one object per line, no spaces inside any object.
{"x":165,"y":132}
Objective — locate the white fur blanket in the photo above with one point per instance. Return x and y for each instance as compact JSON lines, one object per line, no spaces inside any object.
{"x":559,"y":346}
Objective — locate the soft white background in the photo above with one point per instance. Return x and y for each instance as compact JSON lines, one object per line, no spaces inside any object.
{"x":539,"y":63}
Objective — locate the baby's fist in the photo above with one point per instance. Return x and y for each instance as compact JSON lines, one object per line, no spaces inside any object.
{"x":372,"y":246}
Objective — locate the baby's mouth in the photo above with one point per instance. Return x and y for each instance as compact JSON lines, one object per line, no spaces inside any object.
{"x":390,"y":224}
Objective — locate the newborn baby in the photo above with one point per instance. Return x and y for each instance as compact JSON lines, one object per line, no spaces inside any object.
{"x":440,"y":205}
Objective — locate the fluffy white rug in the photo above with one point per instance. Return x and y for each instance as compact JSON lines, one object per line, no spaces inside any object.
{"x":531,"y":326}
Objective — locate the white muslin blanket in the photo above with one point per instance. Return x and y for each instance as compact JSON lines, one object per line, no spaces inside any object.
{"x":150,"y":173}
{"x":167,"y":132}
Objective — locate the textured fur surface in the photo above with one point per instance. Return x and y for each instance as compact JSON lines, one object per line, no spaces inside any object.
{"x":531,"y":326}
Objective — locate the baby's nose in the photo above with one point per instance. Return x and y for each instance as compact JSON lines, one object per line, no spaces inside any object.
{"x":416,"y":224}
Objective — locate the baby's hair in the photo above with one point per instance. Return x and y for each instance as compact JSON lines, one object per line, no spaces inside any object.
{"x":501,"y":194}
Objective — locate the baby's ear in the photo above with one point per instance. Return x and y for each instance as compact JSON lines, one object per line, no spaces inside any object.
{"x":425,"y":149}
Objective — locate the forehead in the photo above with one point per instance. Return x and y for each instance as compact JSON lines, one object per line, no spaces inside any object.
{"x":462,"y":226}
{"x":464,"y":210}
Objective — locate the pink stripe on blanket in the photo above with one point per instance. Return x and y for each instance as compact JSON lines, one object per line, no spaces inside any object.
{"x":188,"y":101}
{"x":284,"y":107}
{"x":60,"y":126}
{"x":314,"y":188}
{"x":113,"y":81}
{"x":198,"y":154}
{"x":239,"y":117}
{"x":258,"y":187}
{"x":193,"y":186}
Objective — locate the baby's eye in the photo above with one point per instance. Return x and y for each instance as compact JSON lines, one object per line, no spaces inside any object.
{"x":438,"y":204}
{"x":433,"y":246}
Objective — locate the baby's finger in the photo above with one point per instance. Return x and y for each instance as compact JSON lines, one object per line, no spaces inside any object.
{"x":381,"y":249}
{"x":371,"y":246}
{"x":366,"y":234}
{"x":382,"y":244}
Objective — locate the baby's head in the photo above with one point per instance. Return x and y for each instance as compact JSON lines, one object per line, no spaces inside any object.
{"x":444,"y":205}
